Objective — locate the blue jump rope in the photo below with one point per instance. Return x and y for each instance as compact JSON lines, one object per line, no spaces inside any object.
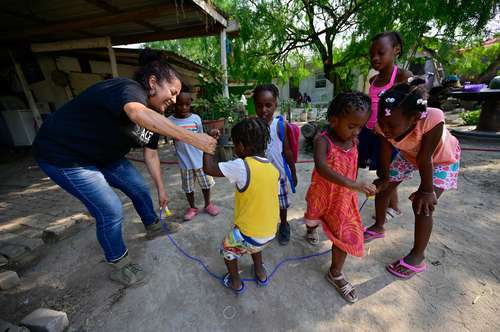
{"x":207,"y":270}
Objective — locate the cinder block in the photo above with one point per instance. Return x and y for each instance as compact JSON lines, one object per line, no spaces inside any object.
{"x":12,"y":252}
{"x":3,"y":261}
{"x":46,"y":320}
{"x":6,"y":326}
{"x":58,"y":231}
{"x":8,"y":280}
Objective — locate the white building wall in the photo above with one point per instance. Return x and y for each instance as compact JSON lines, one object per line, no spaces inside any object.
{"x":318,"y":95}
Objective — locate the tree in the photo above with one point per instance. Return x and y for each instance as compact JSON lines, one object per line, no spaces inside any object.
{"x":339,"y":30}
{"x":278,"y":37}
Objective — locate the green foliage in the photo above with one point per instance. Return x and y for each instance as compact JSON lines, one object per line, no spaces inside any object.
{"x":471,"y":118}
{"x":473,"y":62}
{"x":277,"y":37}
{"x":211,"y":105}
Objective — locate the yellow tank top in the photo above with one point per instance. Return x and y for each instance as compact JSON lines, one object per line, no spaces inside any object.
{"x":256,"y":209}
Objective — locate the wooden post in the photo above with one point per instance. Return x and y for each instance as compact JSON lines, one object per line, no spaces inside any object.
{"x":223,"y":62}
{"x":27,"y":92}
{"x":112,"y":59}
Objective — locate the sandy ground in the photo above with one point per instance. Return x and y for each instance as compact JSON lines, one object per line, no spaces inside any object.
{"x":459,"y":292}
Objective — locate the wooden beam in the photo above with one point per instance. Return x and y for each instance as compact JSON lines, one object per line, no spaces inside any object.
{"x":112,"y":59}
{"x":210,"y":10}
{"x":38,"y":20}
{"x":78,"y":44}
{"x":115,"y":10}
{"x":223,"y":62}
{"x":27,"y":92}
{"x":186,"y":32}
{"x":94,"y":21}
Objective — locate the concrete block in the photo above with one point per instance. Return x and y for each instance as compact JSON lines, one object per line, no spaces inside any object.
{"x":46,"y":320}
{"x":39,"y":223}
{"x":8,"y":280}
{"x":58,"y":231}
{"x":31,"y":233}
{"x":31,"y":244}
{"x":12,"y":252}
{"x":3,"y":261}
{"x":6,"y":326}
{"x":18,"y":240}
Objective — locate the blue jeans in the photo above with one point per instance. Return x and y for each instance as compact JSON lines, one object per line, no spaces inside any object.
{"x":92,"y":186}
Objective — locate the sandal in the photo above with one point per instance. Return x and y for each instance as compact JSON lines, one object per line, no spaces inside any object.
{"x":226,"y":282}
{"x":260,"y":282}
{"x":347,"y":291}
{"x":390,"y":213}
{"x":372,"y":235}
{"x":313,"y":237}
{"x":412,"y":270}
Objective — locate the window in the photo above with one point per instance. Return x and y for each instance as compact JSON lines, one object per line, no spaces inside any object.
{"x":320,"y":81}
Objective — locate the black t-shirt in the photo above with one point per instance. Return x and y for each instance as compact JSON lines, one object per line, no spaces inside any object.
{"x":153,"y":142}
{"x":93,"y":128}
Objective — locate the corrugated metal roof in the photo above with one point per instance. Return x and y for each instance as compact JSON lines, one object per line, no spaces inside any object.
{"x":129,"y":21}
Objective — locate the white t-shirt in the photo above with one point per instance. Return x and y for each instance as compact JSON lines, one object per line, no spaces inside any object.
{"x":236,"y":172}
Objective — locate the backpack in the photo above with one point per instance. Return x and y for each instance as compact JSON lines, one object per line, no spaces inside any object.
{"x":293,"y":137}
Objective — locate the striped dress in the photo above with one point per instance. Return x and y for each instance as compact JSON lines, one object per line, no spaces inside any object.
{"x":337,"y":206}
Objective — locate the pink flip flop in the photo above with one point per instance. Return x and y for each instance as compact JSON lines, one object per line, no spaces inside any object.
{"x":392,"y":269}
{"x":371,"y":235}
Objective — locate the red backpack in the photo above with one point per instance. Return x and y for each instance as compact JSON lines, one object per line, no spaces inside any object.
{"x":293,"y":137}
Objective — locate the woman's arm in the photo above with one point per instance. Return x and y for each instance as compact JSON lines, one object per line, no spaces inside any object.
{"x":149,"y":119}
{"x":320,"y":154}
{"x":152,"y":162}
{"x":425,"y":198}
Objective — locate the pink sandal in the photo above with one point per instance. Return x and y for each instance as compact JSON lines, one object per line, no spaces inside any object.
{"x":393,"y":269}
{"x":372,"y":235}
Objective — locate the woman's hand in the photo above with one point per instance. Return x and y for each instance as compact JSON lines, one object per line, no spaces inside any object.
{"x":369,"y":189}
{"x":162,"y":198}
{"x":205,"y":143}
{"x":423,"y":202}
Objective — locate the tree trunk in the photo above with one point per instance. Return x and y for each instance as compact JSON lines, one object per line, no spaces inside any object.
{"x":333,"y":77}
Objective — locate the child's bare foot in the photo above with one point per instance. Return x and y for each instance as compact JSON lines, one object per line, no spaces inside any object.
{"x":343,"y":287}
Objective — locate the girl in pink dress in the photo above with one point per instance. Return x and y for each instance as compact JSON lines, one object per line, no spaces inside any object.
{"x":332,"y":198}
{"x":385,"y":49}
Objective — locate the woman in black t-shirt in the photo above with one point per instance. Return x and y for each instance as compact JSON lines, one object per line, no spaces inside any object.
{"x":82,"y":147}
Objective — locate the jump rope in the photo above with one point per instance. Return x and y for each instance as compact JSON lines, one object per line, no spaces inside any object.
{"x":163,"y":221}
{"x":166,"y":213}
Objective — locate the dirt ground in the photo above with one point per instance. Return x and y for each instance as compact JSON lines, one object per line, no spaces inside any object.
{"x":459,"y":292}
